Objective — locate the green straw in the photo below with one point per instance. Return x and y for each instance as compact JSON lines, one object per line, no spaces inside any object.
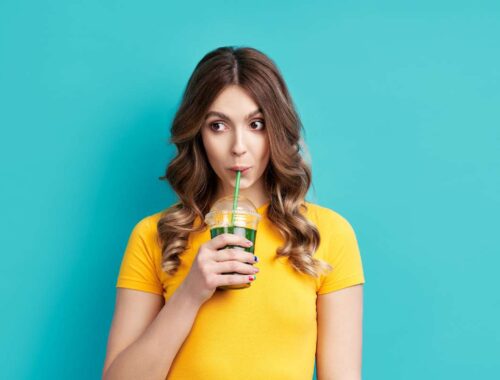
{"x":235,"y":196}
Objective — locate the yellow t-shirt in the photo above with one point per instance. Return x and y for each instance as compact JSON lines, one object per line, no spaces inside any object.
{"x":266,"y":331}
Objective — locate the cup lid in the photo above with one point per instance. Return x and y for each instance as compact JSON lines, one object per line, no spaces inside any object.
{"x":225,"y":205}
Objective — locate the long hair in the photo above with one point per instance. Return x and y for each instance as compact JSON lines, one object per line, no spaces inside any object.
{"x":286,"y":179}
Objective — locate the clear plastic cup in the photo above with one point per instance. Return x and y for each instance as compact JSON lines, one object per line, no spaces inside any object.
{"x":246,"y":220}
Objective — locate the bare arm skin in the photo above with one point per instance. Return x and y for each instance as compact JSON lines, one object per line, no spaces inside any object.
{"x":146,"y":334}
{"x":340,"y":320}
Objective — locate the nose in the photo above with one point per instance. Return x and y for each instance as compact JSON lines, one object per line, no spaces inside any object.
{"x":238,"y":147}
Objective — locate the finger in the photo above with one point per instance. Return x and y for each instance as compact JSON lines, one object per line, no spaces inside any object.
{"x":234,"y":279}
{"x":235,"y":255}
{"x":235,"y":267}
{"x":220,"y":241}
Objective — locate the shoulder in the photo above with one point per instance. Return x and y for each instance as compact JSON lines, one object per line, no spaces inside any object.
{"x":153,"y":219}
{"x":146,"y":227}
{"x":327,"y":217}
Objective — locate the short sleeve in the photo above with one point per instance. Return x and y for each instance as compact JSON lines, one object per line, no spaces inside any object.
{"x":342,"y":253}
{"x":138,"y":269}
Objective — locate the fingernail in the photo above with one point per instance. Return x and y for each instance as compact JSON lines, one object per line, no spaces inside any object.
{"x":256,"y":258}
{"x":248,"y":242}
{"x":251,"y":278}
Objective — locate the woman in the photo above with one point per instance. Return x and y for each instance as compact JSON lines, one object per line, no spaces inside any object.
{"x":306,"y":300}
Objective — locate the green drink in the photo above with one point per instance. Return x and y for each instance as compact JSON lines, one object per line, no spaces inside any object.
{"x":247,"y":233}
{"x":243,"y":222}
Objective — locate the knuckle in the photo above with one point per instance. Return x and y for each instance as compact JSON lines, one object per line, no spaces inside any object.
{"x":225,"y":280}
{"x":210,"y":282}
{"x":202,"y":251}
{"x":232,"y":253}
{"x":239,"y":253}
{"x":201,"y":260}
{"x":244,"y":256}
{"x":243,"y":278}
{"x":248,"y":268}
{"x":232,"y":279}
{"x":233,"y":266}
{"x":204,"y":270}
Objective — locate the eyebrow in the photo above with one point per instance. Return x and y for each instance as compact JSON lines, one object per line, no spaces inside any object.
{"x":223,"y":116}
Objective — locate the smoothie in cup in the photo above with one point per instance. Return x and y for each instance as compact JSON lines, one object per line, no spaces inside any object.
{"x":244,"y":223}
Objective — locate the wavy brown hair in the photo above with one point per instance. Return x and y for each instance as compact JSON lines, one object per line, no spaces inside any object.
{"x":287,"y":177}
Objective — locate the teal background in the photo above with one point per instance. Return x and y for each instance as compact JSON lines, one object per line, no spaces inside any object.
{"x":401,"y":105}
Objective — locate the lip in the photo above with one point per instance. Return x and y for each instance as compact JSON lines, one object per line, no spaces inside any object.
{"x":243,"y":169}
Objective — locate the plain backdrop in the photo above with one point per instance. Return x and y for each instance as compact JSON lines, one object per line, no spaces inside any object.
{"x":401,"y":107}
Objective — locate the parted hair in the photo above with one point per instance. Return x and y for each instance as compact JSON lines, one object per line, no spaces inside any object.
{"x":287,"y":177}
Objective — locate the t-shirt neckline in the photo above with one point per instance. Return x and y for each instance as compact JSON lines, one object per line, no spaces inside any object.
{"x":262,"y":208}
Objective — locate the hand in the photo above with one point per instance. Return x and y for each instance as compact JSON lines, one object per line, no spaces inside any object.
{"x":211,"y":261}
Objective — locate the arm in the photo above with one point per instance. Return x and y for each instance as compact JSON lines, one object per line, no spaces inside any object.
{"x":146,"y":335}
{"x":339,"y":346}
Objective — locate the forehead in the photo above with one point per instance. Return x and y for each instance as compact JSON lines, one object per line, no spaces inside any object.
{"x":233,"y":101}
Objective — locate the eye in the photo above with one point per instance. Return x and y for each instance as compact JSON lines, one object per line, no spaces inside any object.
{"x":215,"y":129}
{"x":261,"y":122}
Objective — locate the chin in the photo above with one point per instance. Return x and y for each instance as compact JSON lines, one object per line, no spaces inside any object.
{"x":244,"y":183}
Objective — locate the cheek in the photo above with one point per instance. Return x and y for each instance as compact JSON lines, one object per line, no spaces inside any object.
{"x":265,"y":151}
{"x":214,"y":152}
{"x":209,"y":145}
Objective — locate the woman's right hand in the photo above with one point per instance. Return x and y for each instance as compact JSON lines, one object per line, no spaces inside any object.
{"x":211,"y":261}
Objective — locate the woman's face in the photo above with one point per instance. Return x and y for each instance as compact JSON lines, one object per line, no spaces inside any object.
{"x":234,"y":134}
